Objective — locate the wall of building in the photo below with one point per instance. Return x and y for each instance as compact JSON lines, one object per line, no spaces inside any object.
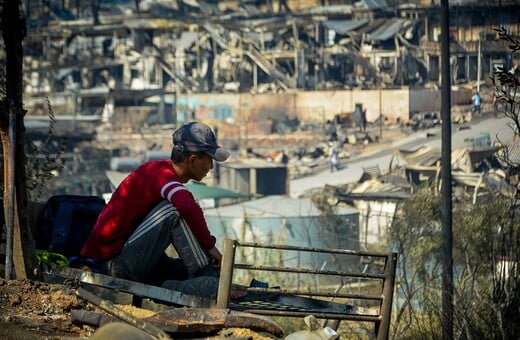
{"x":425,"y":100}
{"x":430,"y":99}
{"x":314,"y":107}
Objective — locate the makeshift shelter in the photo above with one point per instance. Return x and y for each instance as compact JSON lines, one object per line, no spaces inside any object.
{"x":288,"y":221}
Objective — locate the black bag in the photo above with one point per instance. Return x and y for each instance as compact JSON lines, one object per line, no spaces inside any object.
{"x":66,"y":222}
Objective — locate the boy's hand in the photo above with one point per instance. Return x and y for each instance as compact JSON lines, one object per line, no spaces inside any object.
{"x":216,"y":257}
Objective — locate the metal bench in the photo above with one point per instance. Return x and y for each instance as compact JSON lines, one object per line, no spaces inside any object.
{"x":360,"y":291}
{"x":364,"y":292}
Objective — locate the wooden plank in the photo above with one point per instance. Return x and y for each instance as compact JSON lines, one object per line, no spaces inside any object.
{"x":203,"y":320}
{"x":191,"y":320}
{"x":109,"y":307}
{"x":117,"y":297}
{"x":136,"y":288}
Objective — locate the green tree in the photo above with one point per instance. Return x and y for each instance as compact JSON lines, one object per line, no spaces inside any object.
{"x":506,"y":248}
{"x":417,"y":236}
{"x":486,"y":248}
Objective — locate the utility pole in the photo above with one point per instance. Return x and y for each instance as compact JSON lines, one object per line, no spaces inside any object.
{"x":380,"y":112}
{"x":479,"y":66}
{"x":446,"y":192}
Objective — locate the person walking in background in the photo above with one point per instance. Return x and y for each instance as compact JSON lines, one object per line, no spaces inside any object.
{"x":495,"y":105}
{"x":476,"y":103}
{"x":331,"y":131}
{"x":334,"y":156}
{"x":363,"y":124}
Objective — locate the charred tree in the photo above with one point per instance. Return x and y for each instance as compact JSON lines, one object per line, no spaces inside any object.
{"x":23,"y":253}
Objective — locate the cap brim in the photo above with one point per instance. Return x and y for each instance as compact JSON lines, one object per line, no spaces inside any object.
{"x":220,"y":154}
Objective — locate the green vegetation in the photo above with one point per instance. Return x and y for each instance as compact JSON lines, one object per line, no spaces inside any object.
{"x":478,"y":235}
{"x":486,"y":250}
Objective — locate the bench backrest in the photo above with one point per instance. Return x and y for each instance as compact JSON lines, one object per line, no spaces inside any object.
{"x":347,"y":285}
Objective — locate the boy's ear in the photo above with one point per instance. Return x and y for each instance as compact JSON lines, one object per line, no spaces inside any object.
{"x":191,"y":158}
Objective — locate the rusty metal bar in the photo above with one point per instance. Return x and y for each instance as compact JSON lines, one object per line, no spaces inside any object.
{"x":313,"y":293}
{"x":109,"y":307}
{"x":383,"y":327}
{"x":226,"y":273}
{"x":312,"y":249}
{"x":309,"y":271}
{"x":351,"y":317}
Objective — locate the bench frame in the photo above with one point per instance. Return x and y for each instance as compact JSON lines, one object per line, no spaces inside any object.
{"x":385,"y":297}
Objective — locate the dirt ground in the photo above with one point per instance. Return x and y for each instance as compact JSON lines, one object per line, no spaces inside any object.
{"x":39,"y":310}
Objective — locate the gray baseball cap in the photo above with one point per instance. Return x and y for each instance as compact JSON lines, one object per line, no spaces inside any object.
{"x":195,"y":137}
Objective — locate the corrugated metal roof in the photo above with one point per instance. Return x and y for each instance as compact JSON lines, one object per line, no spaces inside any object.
{"x":513,"y":153}
{"x":326,"y":10}
{"x":267,"y":23}
{"x":259,"y":24}
{"x":259,"y":37}
{"x":422,"y":156}
{"x":344,"y":26}
{"x":275,"y":206}
{"x":251,"y":9}
{"x":373,"y":4}
{"x":388,"y":30}
{"x":186,"y":40}
{"x":251,"y":163}
{"x":202,"y":191}
{"x":371,"y":26}
{"x":209,"y":8}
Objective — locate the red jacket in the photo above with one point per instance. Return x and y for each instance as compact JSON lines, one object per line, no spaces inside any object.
{"x":135,"y":197}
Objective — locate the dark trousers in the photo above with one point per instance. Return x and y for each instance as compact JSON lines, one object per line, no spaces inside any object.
{"x":143,"y":256}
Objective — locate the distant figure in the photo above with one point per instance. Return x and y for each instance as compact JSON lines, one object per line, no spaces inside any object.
{"x":283,"y":6}
{"x":334,"y":157}
{"x":495,"y":105}
{"x":363,"y":123}
{"x":360,"y":117}
{"x":331,"y":131}
{"x":476,"y":103}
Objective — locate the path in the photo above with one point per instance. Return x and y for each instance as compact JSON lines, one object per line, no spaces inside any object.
{"x":354,"y":166}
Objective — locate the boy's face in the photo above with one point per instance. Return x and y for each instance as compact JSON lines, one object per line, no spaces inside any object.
{"x":199,"y":166}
